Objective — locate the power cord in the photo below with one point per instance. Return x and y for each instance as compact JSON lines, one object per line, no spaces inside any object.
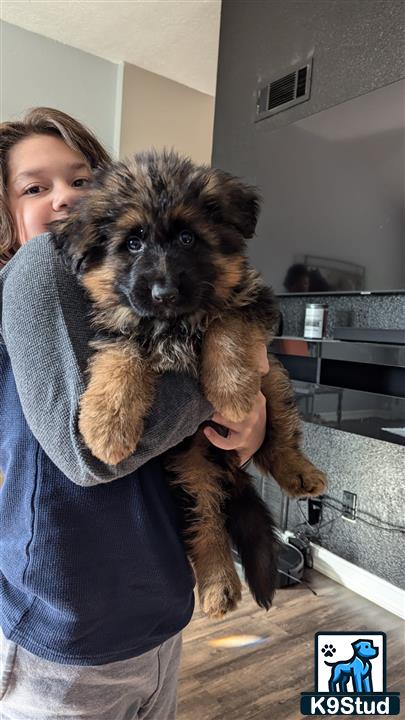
{"x":315,"y":529}
{"x":318,"y":525}
{"x":364,"y":512}
{"x":295,"y":579}
{"x":304,"y":533}
{"x":381,"y":524}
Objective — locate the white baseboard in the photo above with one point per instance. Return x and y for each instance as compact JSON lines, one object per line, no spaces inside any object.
{"x":360,"y":581}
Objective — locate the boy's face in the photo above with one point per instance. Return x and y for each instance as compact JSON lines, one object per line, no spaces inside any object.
{"x":45,"y":176}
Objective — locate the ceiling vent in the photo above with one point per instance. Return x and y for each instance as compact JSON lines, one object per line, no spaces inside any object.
{"x":284,"y":92}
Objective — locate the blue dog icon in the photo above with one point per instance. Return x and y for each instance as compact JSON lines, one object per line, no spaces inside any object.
{"x":358,"y":668}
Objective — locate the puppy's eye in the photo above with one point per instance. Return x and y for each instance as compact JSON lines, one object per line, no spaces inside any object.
{"x":186,"y":238}
{"x":134,"y":244}
{"x":135,"y":240}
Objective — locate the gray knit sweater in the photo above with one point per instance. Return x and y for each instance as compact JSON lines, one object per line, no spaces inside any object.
{"x":44,"y":323}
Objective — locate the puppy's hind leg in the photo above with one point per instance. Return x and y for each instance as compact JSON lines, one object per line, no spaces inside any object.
{"x":207,"y":541}
{"x":280,"y":453}
{"x":253,"y":532}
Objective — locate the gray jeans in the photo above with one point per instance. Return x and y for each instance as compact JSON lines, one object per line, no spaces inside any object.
{"x":142,"y":687}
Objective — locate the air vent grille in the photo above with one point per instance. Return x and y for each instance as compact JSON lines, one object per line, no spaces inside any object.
{"x":284,"y":92}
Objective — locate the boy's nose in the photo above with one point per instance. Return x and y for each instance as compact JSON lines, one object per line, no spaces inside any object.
{"x":63,"y":198}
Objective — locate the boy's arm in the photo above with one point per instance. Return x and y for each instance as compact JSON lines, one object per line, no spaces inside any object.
{"x":46,"y":331}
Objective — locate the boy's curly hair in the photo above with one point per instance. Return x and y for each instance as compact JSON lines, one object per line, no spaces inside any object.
{"x":39,"y":121}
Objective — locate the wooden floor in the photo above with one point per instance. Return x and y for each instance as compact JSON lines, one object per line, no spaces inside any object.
{"x":265,"y":682}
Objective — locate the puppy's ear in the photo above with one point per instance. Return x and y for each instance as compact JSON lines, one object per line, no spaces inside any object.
{"x":228,"y":200}
{"x":80,"y":238}
{"x":69,"y":240}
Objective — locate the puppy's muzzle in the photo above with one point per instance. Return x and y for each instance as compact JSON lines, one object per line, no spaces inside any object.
{"x":164,"y":294}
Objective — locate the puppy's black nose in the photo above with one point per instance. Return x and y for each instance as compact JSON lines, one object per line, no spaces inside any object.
{"x":164,"y":293}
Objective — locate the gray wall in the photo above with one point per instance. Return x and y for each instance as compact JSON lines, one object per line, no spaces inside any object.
{"x":358,"y":47}
{"x":344,"y":167}
{"x":38,"y":71}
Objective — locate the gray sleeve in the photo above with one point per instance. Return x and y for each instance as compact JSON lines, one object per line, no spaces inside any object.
{"x":46,"y":331}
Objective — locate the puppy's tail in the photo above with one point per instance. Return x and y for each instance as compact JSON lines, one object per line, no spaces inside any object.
{"x":253,"y":533}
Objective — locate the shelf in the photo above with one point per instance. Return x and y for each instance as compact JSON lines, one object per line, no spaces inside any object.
{"x":341,"y":350}
{"x":355,"y":386}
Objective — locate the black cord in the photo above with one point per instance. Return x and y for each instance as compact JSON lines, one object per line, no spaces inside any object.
{"x":295,"y":579}
{"x":400,"y":530}
{"x":318,"y":526}
{"x":316,"y":534}
{"x":316,"y":531}
{"x":302,"y":513}
{"x":381,"y":526}
{"x":369,"y":515}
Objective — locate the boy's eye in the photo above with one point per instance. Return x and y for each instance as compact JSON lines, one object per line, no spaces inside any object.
{"x":33,"y":190}
{"x":81,"y":182}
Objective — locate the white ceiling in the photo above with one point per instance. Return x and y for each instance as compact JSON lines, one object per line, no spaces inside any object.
{"x":174,"y":38}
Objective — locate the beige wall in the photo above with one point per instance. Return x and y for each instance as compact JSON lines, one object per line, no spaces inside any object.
{"x":157,"y":112}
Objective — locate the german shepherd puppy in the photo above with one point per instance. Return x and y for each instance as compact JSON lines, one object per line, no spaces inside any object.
{"x":160,"y":245}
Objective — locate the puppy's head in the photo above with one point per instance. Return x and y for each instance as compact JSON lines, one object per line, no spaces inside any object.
{"x":159,"y":236}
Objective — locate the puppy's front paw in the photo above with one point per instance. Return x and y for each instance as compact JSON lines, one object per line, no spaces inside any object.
{"x":220,"y":595}
{"x":297,"y":475}
{"x":109,"y":433}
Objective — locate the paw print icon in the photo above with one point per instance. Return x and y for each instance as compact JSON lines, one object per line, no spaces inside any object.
{"x":328,"y":650}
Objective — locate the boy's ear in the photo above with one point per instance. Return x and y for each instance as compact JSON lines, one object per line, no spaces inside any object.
{"x":230,"y":201}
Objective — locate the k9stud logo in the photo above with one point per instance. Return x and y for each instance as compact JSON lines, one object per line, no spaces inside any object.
{"x":350,"y":676}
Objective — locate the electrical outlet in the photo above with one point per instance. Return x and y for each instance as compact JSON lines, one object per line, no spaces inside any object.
{"x":349,"y":509}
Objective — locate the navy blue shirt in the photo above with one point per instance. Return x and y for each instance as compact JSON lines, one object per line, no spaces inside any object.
{"x":89,"y":575}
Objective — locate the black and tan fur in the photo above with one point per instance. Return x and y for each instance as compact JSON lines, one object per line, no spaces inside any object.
{"x":160,"y":245}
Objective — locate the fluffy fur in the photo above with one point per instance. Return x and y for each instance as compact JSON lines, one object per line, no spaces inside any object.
{"x":160,"y":245}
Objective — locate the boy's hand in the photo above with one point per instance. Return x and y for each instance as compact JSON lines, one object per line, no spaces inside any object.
{"x":245,"y":437}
